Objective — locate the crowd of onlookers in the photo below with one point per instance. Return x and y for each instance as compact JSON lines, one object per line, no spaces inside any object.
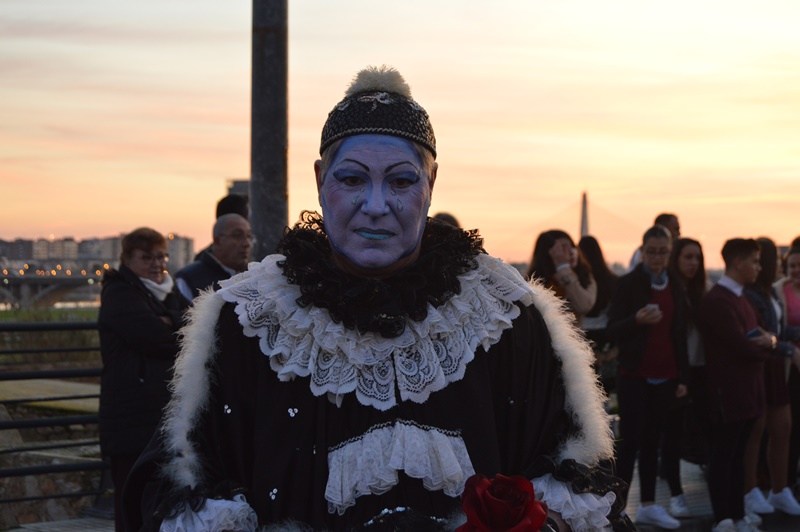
{"x":710,"y":374}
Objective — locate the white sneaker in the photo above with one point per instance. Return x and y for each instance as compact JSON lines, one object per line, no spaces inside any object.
{"x":677,"y":506}
{"x":743,"y":526}
{"x":755,"y":503}
{"x":784,"y":501}
{"x":726,"y":525}
{"x":655,"y":514}
{"x":753,"y":519}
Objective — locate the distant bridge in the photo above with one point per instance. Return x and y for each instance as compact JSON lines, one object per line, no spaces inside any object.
{"x":40,"y":291}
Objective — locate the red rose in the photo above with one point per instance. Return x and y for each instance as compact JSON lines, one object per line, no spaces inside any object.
{"x":501,"y":504}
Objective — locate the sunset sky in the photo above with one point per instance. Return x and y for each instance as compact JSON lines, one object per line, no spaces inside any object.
{"x":115,"y":115}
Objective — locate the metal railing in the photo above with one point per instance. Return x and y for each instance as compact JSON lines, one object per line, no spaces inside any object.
{"x":22,"y":356}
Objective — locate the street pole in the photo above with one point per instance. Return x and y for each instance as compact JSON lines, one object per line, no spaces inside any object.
{"x":269,"y":125}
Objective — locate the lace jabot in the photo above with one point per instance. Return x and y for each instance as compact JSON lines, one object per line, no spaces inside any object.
{"x":305,"y":339}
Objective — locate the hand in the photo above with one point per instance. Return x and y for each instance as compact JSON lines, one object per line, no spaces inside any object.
{"x":681,"y":391}
{"x":561,"y":252}
{"x":558,"y":520}
{"x":763,"y":340}
{"x":649,"y":315}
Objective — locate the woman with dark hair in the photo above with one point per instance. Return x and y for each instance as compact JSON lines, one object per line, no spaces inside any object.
{"x":647,"y":320}
{"x":788,"y":291}
{"x":687,"y":263}
{"x":140,"y":313}
{"x":595,"y":321}
{"x":777,"y":419}
{"x":561,"y":266}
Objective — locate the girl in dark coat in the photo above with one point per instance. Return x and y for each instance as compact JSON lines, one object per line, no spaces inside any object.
{"x":647,"y":320}
{"x":140,"y":313}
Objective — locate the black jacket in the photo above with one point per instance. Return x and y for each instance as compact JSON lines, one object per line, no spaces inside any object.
{"x":202,"y":273}
{"x":138,"y":349}
{"x":632,"y":293}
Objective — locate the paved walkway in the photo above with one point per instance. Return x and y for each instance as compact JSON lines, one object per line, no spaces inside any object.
{"x":41,"y":388}
{"x":696,"y":493}
{"x":85,"y":524}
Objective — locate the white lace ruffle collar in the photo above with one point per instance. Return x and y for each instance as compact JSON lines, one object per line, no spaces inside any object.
{"x":306,"y":342}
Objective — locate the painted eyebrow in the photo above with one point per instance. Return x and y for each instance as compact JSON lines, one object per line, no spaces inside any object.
{"x":388,"y":168}
{"x":362,"y":165}
{"x":395,"y":165}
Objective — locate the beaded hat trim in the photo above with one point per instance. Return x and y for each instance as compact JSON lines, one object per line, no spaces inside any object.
{"x":379,"y":102}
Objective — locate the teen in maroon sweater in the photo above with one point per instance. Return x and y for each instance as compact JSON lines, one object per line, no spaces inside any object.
{"x":735,"y":363}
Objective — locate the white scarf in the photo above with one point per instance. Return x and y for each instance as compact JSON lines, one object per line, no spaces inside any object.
{"x":161,"y":291}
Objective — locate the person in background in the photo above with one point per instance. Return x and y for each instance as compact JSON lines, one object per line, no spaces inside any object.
{"x":230,"y":204}
{"x":227,"y":255}
{"x":735,"y":356}
{"x":687,"y":263}
{"x":447,"y":218}
{"x":777,"y":419}
{"x":646,"y":319}
{"x":788,"y":291}
{"x":140,"y":314}
{"x":334,"y":383}
{"x":668,"y":220}
{"x":595,"y":322}
{"x":561,"y":266}
{"x":233,"y":204}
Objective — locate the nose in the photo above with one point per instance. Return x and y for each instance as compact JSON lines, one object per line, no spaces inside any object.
{"x":375,"y":202}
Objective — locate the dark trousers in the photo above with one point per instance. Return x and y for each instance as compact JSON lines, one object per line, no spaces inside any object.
{"x":671,"y":439}
{"x":645,"y":412}
{"x":794,"y":442}
{"x":726,"y":468}
{"x":121,"y":465}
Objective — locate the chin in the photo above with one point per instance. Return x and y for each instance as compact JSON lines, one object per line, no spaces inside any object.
{"x":373,"y":264}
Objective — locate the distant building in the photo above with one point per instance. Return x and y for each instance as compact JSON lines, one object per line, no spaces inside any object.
{"x":20,"y":249}
{"x":181,"y":251}
{"x":104,"y":250}
{"x":89,"y":248}
{"x":239,"y":186}
{"x":63,"y":249}
{"x":41,"y":250}
{"x":110,"y":249}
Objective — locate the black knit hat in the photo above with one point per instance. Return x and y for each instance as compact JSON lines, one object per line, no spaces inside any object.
{"x":379,"y":101}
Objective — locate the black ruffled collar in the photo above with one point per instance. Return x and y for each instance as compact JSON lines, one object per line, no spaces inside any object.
{"x":377,"y":305}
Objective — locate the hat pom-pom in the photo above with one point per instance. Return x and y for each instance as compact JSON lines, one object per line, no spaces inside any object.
{"x":379,"y":79}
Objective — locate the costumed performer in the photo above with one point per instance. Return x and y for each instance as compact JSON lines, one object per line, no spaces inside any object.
{"x":381,"y":359}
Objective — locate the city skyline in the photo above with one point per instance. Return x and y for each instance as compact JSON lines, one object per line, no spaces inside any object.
{"x":118,"y":116}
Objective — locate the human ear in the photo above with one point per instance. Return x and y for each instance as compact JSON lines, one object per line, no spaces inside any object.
{"x":318,"y":174}
{"x":432,"y":179}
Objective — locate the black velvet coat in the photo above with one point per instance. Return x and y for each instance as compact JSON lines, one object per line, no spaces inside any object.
{"x":272,"y":439}
{"x":138,"y":349}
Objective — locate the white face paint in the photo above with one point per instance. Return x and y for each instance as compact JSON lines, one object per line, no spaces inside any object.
{"x":375,"y":198}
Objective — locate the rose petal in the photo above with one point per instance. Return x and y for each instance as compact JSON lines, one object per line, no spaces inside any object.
{"x":507,"y":511}
{"x":501,"y":504}
{"x":473,"y":502}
